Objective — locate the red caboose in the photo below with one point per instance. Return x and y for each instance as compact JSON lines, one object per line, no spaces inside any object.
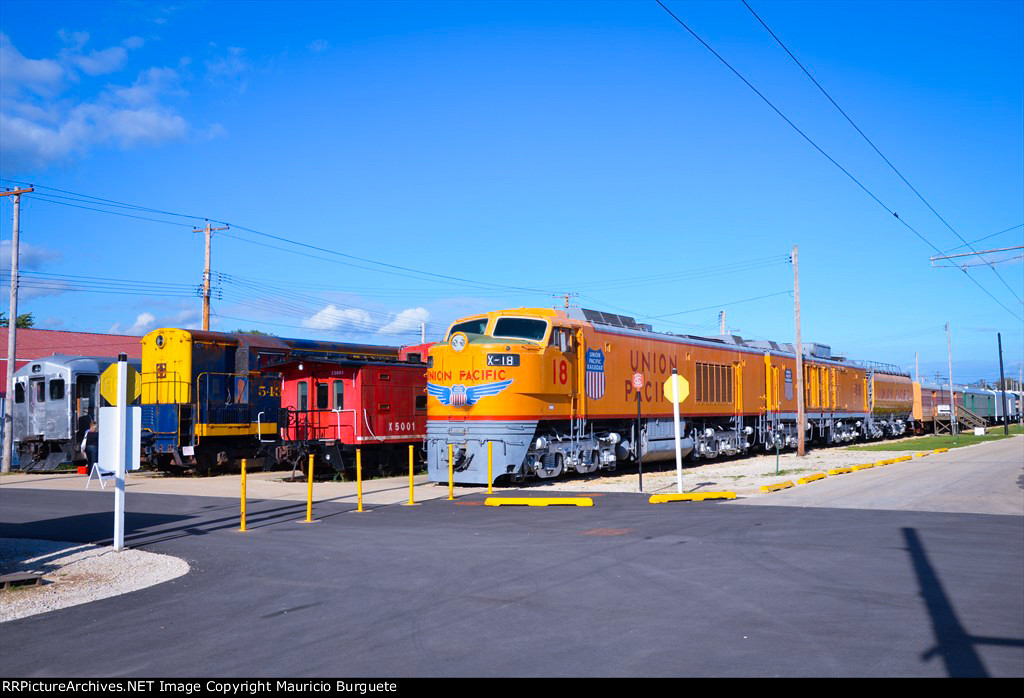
{"x":330,"y":408}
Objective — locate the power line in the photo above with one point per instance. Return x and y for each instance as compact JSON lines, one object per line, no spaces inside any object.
{"x":869,"y":142}
{"x":112,"y":213}
{"x":822,"y":152}
{"x":720,"y":305}
{"x":973,"y":242}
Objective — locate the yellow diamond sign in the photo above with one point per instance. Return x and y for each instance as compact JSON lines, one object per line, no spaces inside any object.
{"x":108,"y":384}
{"x":675,"y":386}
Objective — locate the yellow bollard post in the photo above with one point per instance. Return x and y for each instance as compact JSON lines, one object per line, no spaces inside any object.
{"x":489,"y":461}
{"x":309,"y":491}
{"x":243,"y":496}
{"x":412,"y":501}
{"x":451,"y":474}
{"x":359,"y":477}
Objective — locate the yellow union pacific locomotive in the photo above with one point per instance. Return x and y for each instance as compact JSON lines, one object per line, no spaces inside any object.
{"x":554,"y":392}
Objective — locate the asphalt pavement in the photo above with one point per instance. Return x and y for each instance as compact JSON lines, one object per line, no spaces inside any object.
{"x":623,"y":588}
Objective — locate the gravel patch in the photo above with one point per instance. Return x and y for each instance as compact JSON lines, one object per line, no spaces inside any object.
{"x":743,"y":475}
{"x":75,"y":573}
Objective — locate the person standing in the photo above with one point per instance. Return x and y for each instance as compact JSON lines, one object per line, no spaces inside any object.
{"x":91,"y":445}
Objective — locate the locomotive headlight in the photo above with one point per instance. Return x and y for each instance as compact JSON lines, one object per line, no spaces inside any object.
{"x":459,"y":341}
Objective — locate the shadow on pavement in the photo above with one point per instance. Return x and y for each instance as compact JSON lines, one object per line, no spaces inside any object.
{"x":952,"y":641}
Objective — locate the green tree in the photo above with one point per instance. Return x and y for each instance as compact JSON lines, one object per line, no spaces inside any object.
{"x":25,"y":321}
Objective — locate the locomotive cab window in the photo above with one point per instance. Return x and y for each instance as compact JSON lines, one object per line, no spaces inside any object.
{"x":19,"y":392}
{"x":57,"y":389}
{"x":339,"y":394}
{"x":470,"y":327}
{"x":302,"y":395}
{"x":561,"y":337}
{"x":323,"y":396}
{"x":520,"y":328}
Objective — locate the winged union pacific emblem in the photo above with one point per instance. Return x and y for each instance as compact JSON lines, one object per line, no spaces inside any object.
{"x":461,"y":396}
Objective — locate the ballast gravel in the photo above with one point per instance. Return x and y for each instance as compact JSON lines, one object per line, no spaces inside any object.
{"x":743,"y":475}
{"x":74,"y":573}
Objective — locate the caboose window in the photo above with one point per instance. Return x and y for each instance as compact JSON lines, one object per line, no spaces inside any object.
{"x":303,"y":396}
{"x":470,"y":327}
{"x":520,"y":328}
{"x":57,"y":389}
{"x":339,"y":395}
{"x":421,"y":402}
{"x":323,"y":396}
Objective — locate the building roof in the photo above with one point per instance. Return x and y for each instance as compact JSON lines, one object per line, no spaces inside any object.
{"x":37,"y":344}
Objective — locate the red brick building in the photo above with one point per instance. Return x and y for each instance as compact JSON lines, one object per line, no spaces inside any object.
{"x":36,"y":344}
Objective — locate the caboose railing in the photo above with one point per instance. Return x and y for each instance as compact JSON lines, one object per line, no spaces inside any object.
{"x":314,"y":425}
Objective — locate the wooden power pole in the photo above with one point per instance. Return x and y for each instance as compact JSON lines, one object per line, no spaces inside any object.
{"x":12,"y":331}
{"x":952,"y":395}
{"x":206,"y":271}
{"x":1002,"y":385}
{"x":801,"y":419}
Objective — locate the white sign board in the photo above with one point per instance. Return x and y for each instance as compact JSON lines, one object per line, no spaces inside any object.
{"x":111,"y":438}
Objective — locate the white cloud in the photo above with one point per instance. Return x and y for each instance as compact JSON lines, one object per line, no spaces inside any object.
{"x":406,"y":321}
{"x":29,"y":256}
{"x":319,"y":46}
{"x":151,"y":84}
{"x":101,"y":62}
{"x":39,"y":126}
{"x":229,"y":69}
{"x":74,"y":40}
{"x":42,"y":76}
{"x":333,"y":318}
{"x":145,"y":322}
{"x":28,"y":144}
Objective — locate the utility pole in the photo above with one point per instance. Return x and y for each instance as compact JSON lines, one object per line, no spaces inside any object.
{"x":916,"y":379}
{"x":801,"y":420}
{"x":206,"y":271}
{"x":1002,"y":385}
{"x":12,"y":331}
{"x":952,"y":395}
{"x":423,"y":333}
{"x":721,"y":323}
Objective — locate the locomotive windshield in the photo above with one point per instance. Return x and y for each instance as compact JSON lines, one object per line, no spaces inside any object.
{"x":520,"y":328}
{"x":470,"y":327}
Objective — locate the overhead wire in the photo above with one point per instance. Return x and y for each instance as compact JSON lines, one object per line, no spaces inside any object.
{"x":873,"y":146}
{"x":1001,"y":232}
{"x":822,"y":151}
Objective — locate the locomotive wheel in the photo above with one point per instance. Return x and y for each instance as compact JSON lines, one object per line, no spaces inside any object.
{"x":551,"y":463}
{"x":204,"y":464}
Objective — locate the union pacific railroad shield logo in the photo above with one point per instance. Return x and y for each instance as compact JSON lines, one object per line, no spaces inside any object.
{"x":595,"y":374}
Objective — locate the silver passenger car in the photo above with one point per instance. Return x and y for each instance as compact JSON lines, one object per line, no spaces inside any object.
{"x":55,"y":398}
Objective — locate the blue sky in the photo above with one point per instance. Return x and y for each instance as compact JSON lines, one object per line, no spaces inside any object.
{"x":525,"y":149}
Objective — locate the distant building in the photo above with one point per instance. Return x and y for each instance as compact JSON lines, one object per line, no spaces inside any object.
{"x":36,"y":344}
